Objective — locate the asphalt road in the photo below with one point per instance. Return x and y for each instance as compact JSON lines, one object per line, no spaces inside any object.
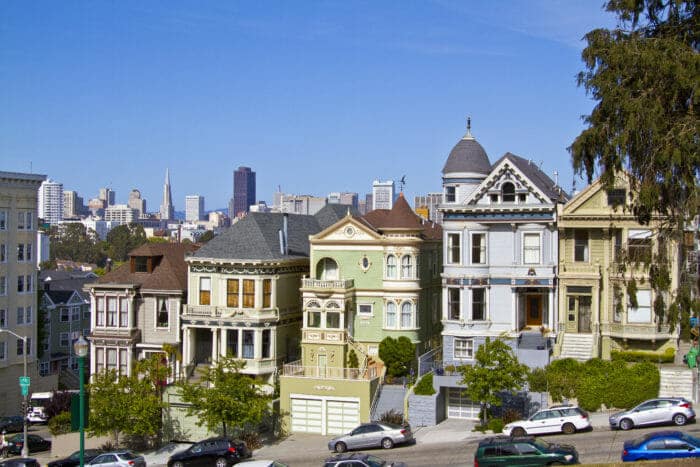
{"x":598,"y":446}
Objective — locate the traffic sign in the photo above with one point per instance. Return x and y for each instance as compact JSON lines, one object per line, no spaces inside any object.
{"x":24,"y":385}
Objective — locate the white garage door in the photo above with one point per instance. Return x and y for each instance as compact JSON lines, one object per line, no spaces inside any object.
{"x":341,"y":416}
{"x":458,"y":406}
{"x":306,"y":415}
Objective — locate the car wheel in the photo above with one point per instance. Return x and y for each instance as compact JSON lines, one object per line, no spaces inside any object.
{"x":679,"y":419}
{"x":387,"y":443}
{"x":221,"y":462}
{"x":340,"y":447}
{"x":518,"y":431}
{"x":568,"y":429}
{"x":626,"y":424}
{"x":178,"y":464}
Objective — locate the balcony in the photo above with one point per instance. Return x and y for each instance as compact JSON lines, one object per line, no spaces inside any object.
{"x":326,"y":335}
{"x":339,"y":284}
{"x":637,"y":331}
{"x":210,"y":311}
{"x":297,"y":370}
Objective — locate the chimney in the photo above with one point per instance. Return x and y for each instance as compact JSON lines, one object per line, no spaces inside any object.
{"x":108,"y":265}
{"x":285,"y":222}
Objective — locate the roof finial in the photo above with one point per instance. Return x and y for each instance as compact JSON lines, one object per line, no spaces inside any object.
{"x":469,"y":129}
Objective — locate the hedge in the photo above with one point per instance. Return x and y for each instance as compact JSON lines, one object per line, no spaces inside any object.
{"x":424,"y":387}
{"x":667,"y":356}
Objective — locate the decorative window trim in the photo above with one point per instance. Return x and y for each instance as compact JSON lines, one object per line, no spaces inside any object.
{"x":467,"y":348}
{"x":364,"y":263}
{"x":365,"y":314}
{"x":484,"y":247}
{"x":394,"y":267}
{"x":450,"y":247}
{"x":523,"y":246}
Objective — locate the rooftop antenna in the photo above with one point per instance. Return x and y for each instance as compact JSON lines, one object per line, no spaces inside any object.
{"x":30,"y":167}
{"x":402,"y":182}
{"x":469,"y":129}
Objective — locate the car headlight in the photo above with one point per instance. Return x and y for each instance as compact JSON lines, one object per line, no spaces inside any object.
{"x":569,"y":457}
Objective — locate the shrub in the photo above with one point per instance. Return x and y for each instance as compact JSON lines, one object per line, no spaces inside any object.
{"x":563,"y":378}
{"x":392,"y":416}
{"x":59,"y":403}
{"x":60,"y":424}
{"x":352,"y":359}
{"x":667,"y":356}
{"x":425,"y":386}
{"x":397,"y":354}
{"x":510,"y":415}
{"x":109,"y":446}
{"x":537,"y":380}
{"x":252,"y":439}
{"x":496,"y":425}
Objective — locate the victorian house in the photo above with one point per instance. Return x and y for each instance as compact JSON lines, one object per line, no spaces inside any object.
{"x":244,"y":297}
{"x":500,"y":261}
{"x":371,"y":277}
{"x":136,"y":308}
{"x":602,"y":249}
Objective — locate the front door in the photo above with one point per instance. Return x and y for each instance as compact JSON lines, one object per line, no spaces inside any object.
{"x":533,"y":308}
{"x":584,"y":313}
{"x":322,"y":365}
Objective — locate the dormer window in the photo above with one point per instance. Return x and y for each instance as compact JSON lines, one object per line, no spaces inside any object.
{"x":450,"y":194}
{"x":140,"y":263}
{"x":508,"y":193}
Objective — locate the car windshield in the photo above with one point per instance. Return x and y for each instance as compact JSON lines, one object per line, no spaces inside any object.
{"x":127,"y":455}
{"x":375,"y":461}
{"x":690,"y":439}
{"x":541,"y":443}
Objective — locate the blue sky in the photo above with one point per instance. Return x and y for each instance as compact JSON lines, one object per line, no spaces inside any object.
{"x":313,"y":96}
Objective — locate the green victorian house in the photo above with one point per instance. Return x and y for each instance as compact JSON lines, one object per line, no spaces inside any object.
{"x":599,"y":241}
{"x":371,"y":277}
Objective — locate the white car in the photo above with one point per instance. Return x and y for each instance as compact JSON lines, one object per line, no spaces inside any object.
{"x":261,"y":463}
{"x":557,"y":419}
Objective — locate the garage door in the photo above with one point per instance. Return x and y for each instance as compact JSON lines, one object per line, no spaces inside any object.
{"x":458,"y":406}
{"x":341,"y":416}
{"x":306,"y":415}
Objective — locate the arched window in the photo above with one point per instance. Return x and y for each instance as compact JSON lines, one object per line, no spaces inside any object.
{"x":313,"y":304}
{"x":391,"y":267}
{"x":327,"y":270}
{"x":508,"y":190}
{"x":390,"y":314}
{"x":406,"y":267}
{"x":406,"y":315}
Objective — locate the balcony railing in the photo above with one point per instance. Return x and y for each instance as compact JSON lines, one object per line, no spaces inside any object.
{"x":336,"y":335}
{"x":636,"y":331}
{"x":212,"y":311}
{"x":298,"y":370}
{"x":328,"y":284}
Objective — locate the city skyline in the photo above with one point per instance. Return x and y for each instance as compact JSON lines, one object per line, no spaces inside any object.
{"x":130,"y":90}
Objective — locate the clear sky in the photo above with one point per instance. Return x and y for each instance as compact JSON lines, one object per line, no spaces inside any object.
{"x":313,"y":96}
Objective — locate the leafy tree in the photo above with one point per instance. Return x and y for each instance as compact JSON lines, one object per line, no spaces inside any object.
{"x":109,"y":405}
{"x":225,"y":397}
{"x":124,"y":238}
{"x":496,"y":369}
{"x":60,"y":402}
{"x":206,"y":236}
{"x":75,"y":243}
{"x":398,"y":355}
{"x":352,"y":359}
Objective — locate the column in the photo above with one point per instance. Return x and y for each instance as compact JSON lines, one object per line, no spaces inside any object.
{"x":224,"y":341}
{"x":273,"y":294}
{"x":214,"y":345}
{"x":240,"y":342}
{"x":550,"y":319}
{"x":257,"y":340}
{"x":93,"y":318}
{"x":185,"y":344}
{"x":514,"y":305}
{"x":132,"y":318}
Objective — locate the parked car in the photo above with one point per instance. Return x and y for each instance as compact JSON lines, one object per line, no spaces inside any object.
{"x":74,"y":459}
{"x":374,"y":434}
{"x":20,"y":462}
{"x":556,"y":419}
{"x":219,"y":451}
{"x":118,"y":459}
{"x":358,"y":459}
{"x":12,"y":424}
{"x":262,"y":463}
{"x":676,"y":410}
{"x":36,"y":443}
{"x":499,"y":451}
{"x":661,"y":445}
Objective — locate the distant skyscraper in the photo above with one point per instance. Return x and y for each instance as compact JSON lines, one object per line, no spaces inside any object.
{"x":343,"y":198}
{"x":136,"y":202}
{"x":194,"y":208}
{"x":51,"y":202}
{"x":382,"y":194}
{"x":72,"y":204}
{"x":121,"y":213}
{"x":369,"y":202}
{"x":243,"y":191}
{"x":166,"y":209}
{"x":107,"y":195}
{"x":430,"y":203}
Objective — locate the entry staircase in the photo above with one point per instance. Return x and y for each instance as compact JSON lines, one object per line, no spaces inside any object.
{"x":391,"y":397}
{"x":677,"y":381}
{"x":577,"y":346}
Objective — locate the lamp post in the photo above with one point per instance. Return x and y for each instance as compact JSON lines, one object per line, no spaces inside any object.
{"x":81,"y":349}
{"x":25,"y":445}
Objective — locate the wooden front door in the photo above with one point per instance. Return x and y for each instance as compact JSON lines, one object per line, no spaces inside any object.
{"x":533,"y":308}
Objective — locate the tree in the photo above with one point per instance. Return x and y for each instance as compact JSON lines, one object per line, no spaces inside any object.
{"x":124,"y":238}
{"x":398,"y":355}
{"x":206,"y":236}
{"x":225,"y":397}
{"x":496,"y":369}
{"x":75,"y":242}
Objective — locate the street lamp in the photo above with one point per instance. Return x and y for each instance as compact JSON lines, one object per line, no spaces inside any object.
{"x":25,"y":445}
{"x":81,"y":349}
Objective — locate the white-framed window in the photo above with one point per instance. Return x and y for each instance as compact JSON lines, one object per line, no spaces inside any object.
{"x":365,"y":309}
{"x":478,"y":248}
{"x":406,"y":267}
{"x":372,"y":350}
{"x":205,"y":290}
{"x":450,"y":194}
{"x":162,"y":313}
{"x":478,"y":304}
{"x":123,"y":361}
{"x":327,"y":269}
{"x":28,"y":251}
{"x":3,"y":349}
{"x":454,"y":253}
{"x":25,"y":220}
{"x":531,"y":247}
{"x":453,"y":303}
{"x":99,"y":359}
{"x":123,"y":312}
{"x":100,"y":310}
{"x":112,"y":312}
{"x":20,"y":315}
{"x":3,"y":253}
{"x":390,"y":319}
{"x":64,"y":339}
{"x":642,"y":313}
{"x":65,"y":315}
{"x":3,"y":285}
{"x":3,"y":318}
{"x":3,"y":220}
{"x":28,"y":315}
{"x":508,"y":192}
{"x":20,"y":346}
{"x":44,"y":368}
{"x":464,"y":349}
{"x":75,"y":313}
{"x":407,"y":315}
{"x":391,"y":267}
{"x":639,"y":245}
{"x":112,"y":359}
{"x":20,"y":252}
{"x":581,"y":245}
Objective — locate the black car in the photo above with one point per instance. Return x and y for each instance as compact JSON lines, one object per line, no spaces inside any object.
{"x":220,"y":451}
{"x":36,"y":443}
{"x":20,"y":462}
{"x":12,"y":424}
{"x":74,"y":459}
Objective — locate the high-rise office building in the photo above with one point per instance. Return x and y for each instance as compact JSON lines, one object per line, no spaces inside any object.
{"x":51,"y":202}
{"x":72,"y":204}
{"x":429,"y":203}
{"x":194,"y":208}
{"x":243,"y":191}
{"x":344,"y":197}
{"x":167,"y":212}
{"x":107,"y":195}
{"x":136,"y":202}
{"x":382,"y":194}
{"x":121,"y":213}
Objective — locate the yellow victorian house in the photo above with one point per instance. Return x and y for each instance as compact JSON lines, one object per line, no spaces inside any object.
{"x":597,"y":313}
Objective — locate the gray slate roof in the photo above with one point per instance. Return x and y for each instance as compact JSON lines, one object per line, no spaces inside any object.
{"x":256,"y":236}
{"x":467,"y":156}
{"x":536,"y":176}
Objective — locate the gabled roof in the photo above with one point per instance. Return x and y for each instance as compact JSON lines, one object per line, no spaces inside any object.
{"x":538,"y":178}
{"x":169,"y":273}
{"x":59,"y":296}
{"x":402,"y":217}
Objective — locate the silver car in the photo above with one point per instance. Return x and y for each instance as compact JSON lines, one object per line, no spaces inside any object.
{"x":118,"y":459}
{"x":370,"y":435}
{"x":676,"y":410}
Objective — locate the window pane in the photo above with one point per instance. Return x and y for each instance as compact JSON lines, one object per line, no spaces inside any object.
{"x":453,"y":304}
{"x":478,"y":304}
{"x":453,"y":252}
{"x":163,"y":320}
{"x":391,"y":267}
{"x":248,"y":344}
{"x":406,"y":267}
{"x":123,"y":312}
{"x":479,"y":248}
{"x":391,"y":315}
{"x":531,"y":248}
{"x":581,"y":245}
{"x":266,"y":343}
{"x":406,"y":315}
{"x":248,"y":293}
{"x":314,"y":319}
{"x":232,"y":293}
{"x":267,"y":293}
{"x":111,"y":311}
{"x":641,"y":314}
{"x":205,"y":291}
{"x":332,"y":320}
